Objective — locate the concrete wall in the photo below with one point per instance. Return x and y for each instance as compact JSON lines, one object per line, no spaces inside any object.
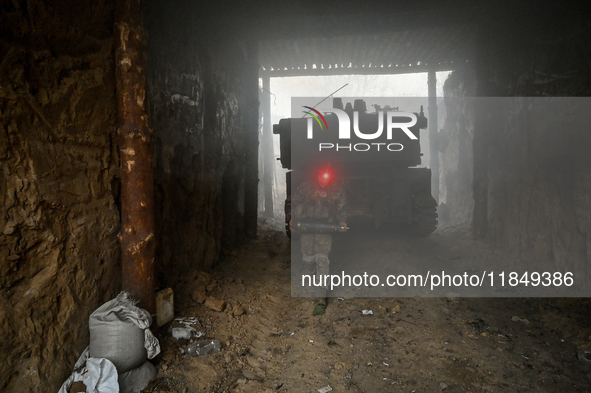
{"x":203,"y":98}
{"x":538,"y":172}
{"x":539,"y":181}
{"x":532,"y":177}
{"x":59,"y":257}
{"x":456,"y":202}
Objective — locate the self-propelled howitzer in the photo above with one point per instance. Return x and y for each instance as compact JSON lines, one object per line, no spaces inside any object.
{"x":375,"y":154}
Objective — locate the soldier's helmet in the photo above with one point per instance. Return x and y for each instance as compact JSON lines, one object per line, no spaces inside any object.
{"x":325,"y":177}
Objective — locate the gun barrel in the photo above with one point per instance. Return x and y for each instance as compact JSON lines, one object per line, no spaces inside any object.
{"x":316,"y":227}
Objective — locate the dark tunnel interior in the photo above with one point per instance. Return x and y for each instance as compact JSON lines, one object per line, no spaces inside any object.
{"x":513,"y":178}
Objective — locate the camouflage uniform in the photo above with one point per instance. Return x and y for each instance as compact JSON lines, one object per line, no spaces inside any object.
{"x":328,"y":204}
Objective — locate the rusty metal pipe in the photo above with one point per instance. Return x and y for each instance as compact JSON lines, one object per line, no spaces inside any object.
{"x":135,"y":155}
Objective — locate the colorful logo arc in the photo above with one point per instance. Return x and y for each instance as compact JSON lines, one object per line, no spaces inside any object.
{"x":315,"y":117}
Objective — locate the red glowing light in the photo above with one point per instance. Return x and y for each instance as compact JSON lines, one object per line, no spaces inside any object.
{"x":324,"y":177}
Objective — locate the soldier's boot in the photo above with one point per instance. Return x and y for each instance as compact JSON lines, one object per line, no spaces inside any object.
{"x":320,"y":302}
{"x":309,"y":265}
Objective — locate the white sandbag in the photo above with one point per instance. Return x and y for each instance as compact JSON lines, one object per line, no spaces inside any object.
{"x":101,"y":376}
{"x":98,"y":375}
{"x":119,"y":332}
{"x":136,"y":380}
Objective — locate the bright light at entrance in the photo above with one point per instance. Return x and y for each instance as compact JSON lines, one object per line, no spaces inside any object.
{"x":402,"y":85}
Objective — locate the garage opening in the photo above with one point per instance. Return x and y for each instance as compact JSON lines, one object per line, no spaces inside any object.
{"x":280,"y":91}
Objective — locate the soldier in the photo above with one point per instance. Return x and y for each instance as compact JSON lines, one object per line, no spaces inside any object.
{"x":321,"y":200}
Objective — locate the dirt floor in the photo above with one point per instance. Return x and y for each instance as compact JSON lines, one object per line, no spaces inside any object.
{"x":270,"y":342}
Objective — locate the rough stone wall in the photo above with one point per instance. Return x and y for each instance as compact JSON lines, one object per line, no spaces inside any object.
{"x":202,"y":92}
{"x":532,"y":177}
{"x":59,"y":257}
